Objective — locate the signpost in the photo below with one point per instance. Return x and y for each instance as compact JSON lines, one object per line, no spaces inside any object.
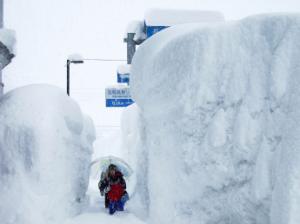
{"x":118,"y":96}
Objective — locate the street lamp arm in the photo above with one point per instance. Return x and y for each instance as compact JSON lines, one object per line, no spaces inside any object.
{"x":80,"y":61}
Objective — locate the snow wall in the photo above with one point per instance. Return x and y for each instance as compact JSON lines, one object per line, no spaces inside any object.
{"x":220,"y":108}
{"x":45,"y":153}
{"x":133,"y":138}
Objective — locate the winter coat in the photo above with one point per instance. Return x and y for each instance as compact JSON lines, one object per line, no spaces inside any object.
{"x":116,"y":185}
{"x":116,"y":192}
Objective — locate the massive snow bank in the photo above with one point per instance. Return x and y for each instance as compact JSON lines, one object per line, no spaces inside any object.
{"x":132,"y":143}
{"x":221,"y":114}
{"x":45,"y":152}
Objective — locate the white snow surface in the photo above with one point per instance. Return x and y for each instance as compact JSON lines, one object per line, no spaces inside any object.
{"x":8,"y":38}
{"x":220,"y":122}
{"x":170,"y":17}
{"x":138,"y":28}
{"x":103,"y":217}
{"x":124,"y":69}
{"x":45,"y":153}
{"x":118,"y":86}
{"x":75,"y":57}
{"x":95,"y":213}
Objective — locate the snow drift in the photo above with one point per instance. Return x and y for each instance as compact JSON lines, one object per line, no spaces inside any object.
{"x":220,"y":107}
{"x":45,"y":152}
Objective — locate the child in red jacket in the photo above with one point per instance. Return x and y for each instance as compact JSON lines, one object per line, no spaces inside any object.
{"x":114,"y":187}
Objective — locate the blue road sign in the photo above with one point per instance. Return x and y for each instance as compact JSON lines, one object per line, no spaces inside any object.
{"x":118,"y":96}
{"x":123,"y":78}
{"x":151,"y":30}
{"x":118,"y":102}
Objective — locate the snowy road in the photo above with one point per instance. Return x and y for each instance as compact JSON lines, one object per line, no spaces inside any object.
{"x":101,"y":216}
{"x":96,"y":213}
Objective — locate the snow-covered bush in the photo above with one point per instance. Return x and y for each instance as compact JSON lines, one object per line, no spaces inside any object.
{"x":45,"y":152}
{"x":220,"y":107}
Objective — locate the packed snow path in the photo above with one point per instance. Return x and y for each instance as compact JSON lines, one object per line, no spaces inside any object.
{"x":96,"y":213}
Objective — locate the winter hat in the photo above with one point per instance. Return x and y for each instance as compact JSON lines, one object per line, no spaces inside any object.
{"x":112,"y":167}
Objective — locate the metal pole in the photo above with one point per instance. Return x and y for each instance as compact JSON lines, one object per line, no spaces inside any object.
{"x":1,"y":13}
{"x":68,"y":77}
{"x":130,"y":47}
{"x":1,"y":26}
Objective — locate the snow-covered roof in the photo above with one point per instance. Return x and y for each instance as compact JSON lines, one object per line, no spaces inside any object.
{"x":8,"y":38}
{"x":165,"y":17}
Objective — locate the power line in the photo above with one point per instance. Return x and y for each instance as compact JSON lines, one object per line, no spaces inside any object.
{"x":102,"y":59}
{"x":108,"y":126}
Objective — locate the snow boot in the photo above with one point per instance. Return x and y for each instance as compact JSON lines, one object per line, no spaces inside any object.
{"x":120,"y":206}
{"x":112,"y":207}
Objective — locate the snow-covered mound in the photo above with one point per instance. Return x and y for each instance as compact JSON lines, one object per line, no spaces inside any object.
{"x":45,"y":152}
{"x":220,"y":107}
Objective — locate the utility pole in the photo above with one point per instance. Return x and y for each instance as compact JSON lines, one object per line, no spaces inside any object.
{"x":1,"y":26}
{"x":68,"y":77}
{"x":130,"y":47}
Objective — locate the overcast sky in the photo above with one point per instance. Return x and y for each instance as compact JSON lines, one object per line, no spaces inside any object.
{"x":50,"y":30}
